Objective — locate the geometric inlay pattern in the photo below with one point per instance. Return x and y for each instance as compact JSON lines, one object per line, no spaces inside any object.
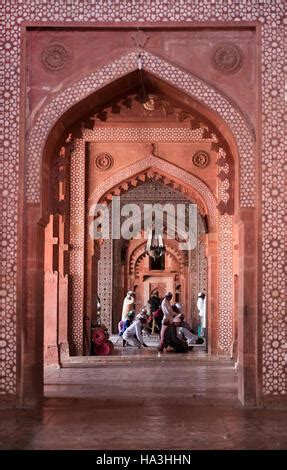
{"x":105,"y":282}
{"x":142,"y":134}
{"x":225,"y":275}
{"x":77,"y":240}
{"x":271,"y":16}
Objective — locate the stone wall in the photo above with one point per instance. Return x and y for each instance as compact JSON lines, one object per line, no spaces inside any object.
{"x":227,"y":69}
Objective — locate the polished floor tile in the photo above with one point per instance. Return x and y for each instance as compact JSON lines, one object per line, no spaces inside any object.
{"x":153,"y":405}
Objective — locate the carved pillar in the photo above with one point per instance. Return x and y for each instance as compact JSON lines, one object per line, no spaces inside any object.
{"x":234,"y":350}
{"x":50,"y":297}
{"x":90,"y":306}
{"x":62,"y":295}
{"x":105,"y":284}
{"x":194,"y":286}
{"x":117,"y":284}
{"x":212,"y":293}
{"x":60,"y":220}
{"x":225,"y":273}
{"x":90,"y":300}
{"x":77,"y":240}
{"x":202,"y":265}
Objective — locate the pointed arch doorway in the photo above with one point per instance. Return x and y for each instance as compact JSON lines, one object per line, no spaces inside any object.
{"x":181,"y":271}
{"x":70,"y":154}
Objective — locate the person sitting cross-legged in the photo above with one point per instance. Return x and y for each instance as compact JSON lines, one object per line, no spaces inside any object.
{"x":186,"y":333}
{"x":171,"y":342}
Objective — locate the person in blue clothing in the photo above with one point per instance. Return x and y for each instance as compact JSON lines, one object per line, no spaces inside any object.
{"x":123,"y":325}
{"x":133,"y":334}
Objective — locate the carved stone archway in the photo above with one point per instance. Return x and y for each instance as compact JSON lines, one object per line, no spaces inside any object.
{"x":188,"y":184}
{"x":179,"y":270}
{"x":222,"y":109}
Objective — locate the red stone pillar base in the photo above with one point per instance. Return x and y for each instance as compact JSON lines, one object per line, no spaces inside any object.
{"x":64,"y":352}
{"x":248,"y":299}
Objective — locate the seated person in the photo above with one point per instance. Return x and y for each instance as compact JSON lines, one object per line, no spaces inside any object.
{"x":133,"y":334}
{"x":123,"y":325}
{"x":184,"y":332}
{"x":172,"y":342}
{"x":183,"y":323}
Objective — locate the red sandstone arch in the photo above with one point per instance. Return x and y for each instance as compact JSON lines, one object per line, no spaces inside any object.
{"x":190,"y":185}
{"x":140,"y":274}
{"x":159,"y":175}
{"x":58,"y":115}
{"x":205,"y":100}
{"x":178,"y":178}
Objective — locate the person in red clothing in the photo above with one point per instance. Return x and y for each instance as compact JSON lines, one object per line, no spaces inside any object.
{"x":158,"y":316}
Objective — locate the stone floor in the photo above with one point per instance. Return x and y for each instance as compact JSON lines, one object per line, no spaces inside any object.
{"x":144,"y":405}
{"x":132,"y":354}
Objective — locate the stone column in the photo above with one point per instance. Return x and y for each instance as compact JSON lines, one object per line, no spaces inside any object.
{"x":212,"y":293}
{"x":117,"y":284}
{"x":247,"y":309}
{"x":225,"y":279}
{"x":63,"y":344}
{"x":50,"y":298}
{"x":77,"y":240}
{"x":194,"y":286}
{"x":31,"y":310}
{"x":105,"y":284}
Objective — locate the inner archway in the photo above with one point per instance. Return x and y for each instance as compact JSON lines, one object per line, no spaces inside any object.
{"x":101,"y":168}
{"x":178,"y":270}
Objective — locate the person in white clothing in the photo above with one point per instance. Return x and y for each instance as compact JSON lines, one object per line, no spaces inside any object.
{"x":201,"y":306}
{"x":183,"y":332}
{"x":128,"y":304}
{"x":184,"y":324}
{"x":133,"y":334}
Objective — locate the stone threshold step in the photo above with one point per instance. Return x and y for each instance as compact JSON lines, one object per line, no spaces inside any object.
{"x":92,"y":361}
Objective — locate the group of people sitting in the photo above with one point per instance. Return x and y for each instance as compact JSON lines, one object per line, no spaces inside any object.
{"x":175,"y":333}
